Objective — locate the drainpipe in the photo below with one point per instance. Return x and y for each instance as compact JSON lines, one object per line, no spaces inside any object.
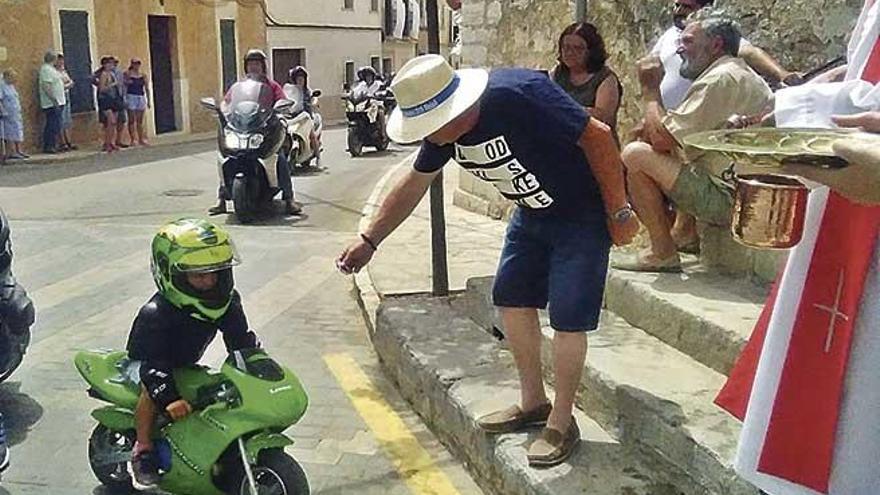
{"x":581,"y":12}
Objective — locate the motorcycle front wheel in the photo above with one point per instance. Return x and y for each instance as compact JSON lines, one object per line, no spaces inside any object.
{"x":355,"y":146}
{"x":240,"y":200}
{"x":109,"y":453}
{"x":275,"y":473}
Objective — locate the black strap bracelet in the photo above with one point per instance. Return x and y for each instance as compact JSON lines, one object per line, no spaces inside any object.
{"x":370,"y":242}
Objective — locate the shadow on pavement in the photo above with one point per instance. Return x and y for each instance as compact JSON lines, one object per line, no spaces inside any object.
{"x":20,"y":412}
{"x":311,"y":171}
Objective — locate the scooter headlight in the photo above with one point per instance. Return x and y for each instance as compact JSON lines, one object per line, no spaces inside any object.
{"x":256,"y":141}
{"x":233,"y":142}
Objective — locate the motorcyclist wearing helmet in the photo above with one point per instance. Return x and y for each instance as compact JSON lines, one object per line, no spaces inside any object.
{"x":256,"y":69}
{"x":192,"y":264}
{"x":368,"y":83}
{"x":298,"y":81}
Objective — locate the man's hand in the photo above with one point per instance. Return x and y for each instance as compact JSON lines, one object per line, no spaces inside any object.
{"x":179,"y":409}
{"x":623,"y":233}
{"x":868,"y":121}
{"x":859,"y":181}
{"x":355,"y":257}
{"x":650,"y":70}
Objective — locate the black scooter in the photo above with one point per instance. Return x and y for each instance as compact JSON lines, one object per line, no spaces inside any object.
{"x":249,"y":135}
{"x":16,"y":309}
{"x":362,"y":111}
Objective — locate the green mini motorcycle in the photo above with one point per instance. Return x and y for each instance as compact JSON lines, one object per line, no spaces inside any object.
{"x":232,"y":443}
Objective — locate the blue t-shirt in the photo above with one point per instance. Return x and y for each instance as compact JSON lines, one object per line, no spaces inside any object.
{"x":526,"y":144}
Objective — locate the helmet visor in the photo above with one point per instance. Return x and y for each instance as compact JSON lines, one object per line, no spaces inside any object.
{"x":209,"y":259}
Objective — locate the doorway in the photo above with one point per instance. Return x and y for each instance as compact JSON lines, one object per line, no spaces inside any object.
{"x":162,"y":64}
{"x":284,"y":59}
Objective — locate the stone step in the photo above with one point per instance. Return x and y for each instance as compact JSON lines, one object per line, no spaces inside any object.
{"x":660,"y":401}
{"x":705,"y":315}
{"x":657,"y":399}
{"x":452,"y":372}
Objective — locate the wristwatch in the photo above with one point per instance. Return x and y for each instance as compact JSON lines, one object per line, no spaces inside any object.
{"x":623,"y":214}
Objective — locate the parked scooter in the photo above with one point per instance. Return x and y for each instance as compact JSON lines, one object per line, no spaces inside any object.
{"x":16,"y":309}
{"x":362,"y":111}
{"x":249,"y":137}
{"x":300,"y":125}
{"x":233,"y":442}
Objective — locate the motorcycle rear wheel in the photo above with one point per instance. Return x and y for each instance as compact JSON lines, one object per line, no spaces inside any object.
{"x":105,"y":442}
{"x":240,"y":200}
{"x":383,"y":144}
{"x":275,"y":472}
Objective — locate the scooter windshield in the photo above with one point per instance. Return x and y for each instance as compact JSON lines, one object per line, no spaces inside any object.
{"x":248,"y":105}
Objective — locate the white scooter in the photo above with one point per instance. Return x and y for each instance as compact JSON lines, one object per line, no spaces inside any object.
{"x":300,"y":125}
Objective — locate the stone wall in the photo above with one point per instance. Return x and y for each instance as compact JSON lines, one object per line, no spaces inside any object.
{"x":801,"y":34}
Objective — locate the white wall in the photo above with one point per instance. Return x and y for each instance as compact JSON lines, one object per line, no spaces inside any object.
{"x":326,"y":51}
{"x":326,"y":12}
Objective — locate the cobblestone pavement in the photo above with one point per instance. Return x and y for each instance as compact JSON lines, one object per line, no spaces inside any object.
{"x":81,"y":246}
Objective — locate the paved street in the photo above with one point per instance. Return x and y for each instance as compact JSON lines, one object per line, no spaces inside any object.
{"x":81,"y":236}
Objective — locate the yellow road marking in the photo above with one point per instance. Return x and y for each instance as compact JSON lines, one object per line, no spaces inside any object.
{"x":411,"y":460}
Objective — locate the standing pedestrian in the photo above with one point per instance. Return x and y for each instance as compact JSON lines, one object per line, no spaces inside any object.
{"x":136,"y":101}
{"x":519,"y":131}
{"x":108,"y":103}
{"x":52,"y":100}
{"x":66,"y":117}
{"x":11,"y":129}
{"x":121,"y":114}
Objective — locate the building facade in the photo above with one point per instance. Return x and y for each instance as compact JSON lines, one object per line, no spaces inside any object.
{"x":331,"y":38}
{"x":334,"y":38}
{"x":190,"y":49}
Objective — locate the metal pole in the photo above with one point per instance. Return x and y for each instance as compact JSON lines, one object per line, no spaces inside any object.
{"x":581,"y":14}
{"x":440,"y":270}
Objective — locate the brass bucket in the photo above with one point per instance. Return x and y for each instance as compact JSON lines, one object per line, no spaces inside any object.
{"x":768,"y":211}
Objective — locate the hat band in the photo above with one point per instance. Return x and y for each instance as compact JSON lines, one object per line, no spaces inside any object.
{"x":434,"y":102}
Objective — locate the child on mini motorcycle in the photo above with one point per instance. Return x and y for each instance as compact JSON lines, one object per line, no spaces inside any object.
{"x":192,"y":264}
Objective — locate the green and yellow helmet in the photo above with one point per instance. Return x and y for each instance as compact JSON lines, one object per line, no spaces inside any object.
{"x":192,"y":245}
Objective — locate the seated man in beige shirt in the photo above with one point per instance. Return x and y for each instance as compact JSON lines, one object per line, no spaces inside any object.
{"x":656,"y":170}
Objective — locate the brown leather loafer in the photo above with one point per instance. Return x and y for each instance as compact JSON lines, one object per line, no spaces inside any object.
{"x":514,"y":419}
{"x":553,"y":447}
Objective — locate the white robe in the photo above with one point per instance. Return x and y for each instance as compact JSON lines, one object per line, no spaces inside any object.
{"x":856,"y":461}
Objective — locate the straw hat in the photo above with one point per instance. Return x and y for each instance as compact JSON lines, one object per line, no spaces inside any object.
{"x":430,"y":94}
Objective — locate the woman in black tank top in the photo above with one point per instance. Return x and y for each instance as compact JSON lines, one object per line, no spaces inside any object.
{"x":582,"y":72}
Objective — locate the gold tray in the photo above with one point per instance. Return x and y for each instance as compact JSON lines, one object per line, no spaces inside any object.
{"x":771,"y":147}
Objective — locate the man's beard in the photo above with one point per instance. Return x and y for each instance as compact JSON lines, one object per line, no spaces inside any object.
{"x":691,"y":69}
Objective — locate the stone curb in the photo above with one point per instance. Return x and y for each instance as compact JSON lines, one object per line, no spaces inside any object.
{"x":657,"y":399}
{"x":452,"y":372}
{"x":707,"y":317}
{"x":82,"y":154}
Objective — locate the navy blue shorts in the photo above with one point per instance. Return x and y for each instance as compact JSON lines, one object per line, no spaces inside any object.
{"x":557,"y":261}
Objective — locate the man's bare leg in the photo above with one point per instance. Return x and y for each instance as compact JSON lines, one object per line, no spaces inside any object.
{"x":649,"y":174}
{"x":570,"y":353}
{"x":523,"y":332}
{"x":684,"y":230}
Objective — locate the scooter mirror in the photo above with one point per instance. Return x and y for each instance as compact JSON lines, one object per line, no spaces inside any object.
{"x":282,"y":105}
{"x":209,"y":103}
{"x":316,"y":93}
